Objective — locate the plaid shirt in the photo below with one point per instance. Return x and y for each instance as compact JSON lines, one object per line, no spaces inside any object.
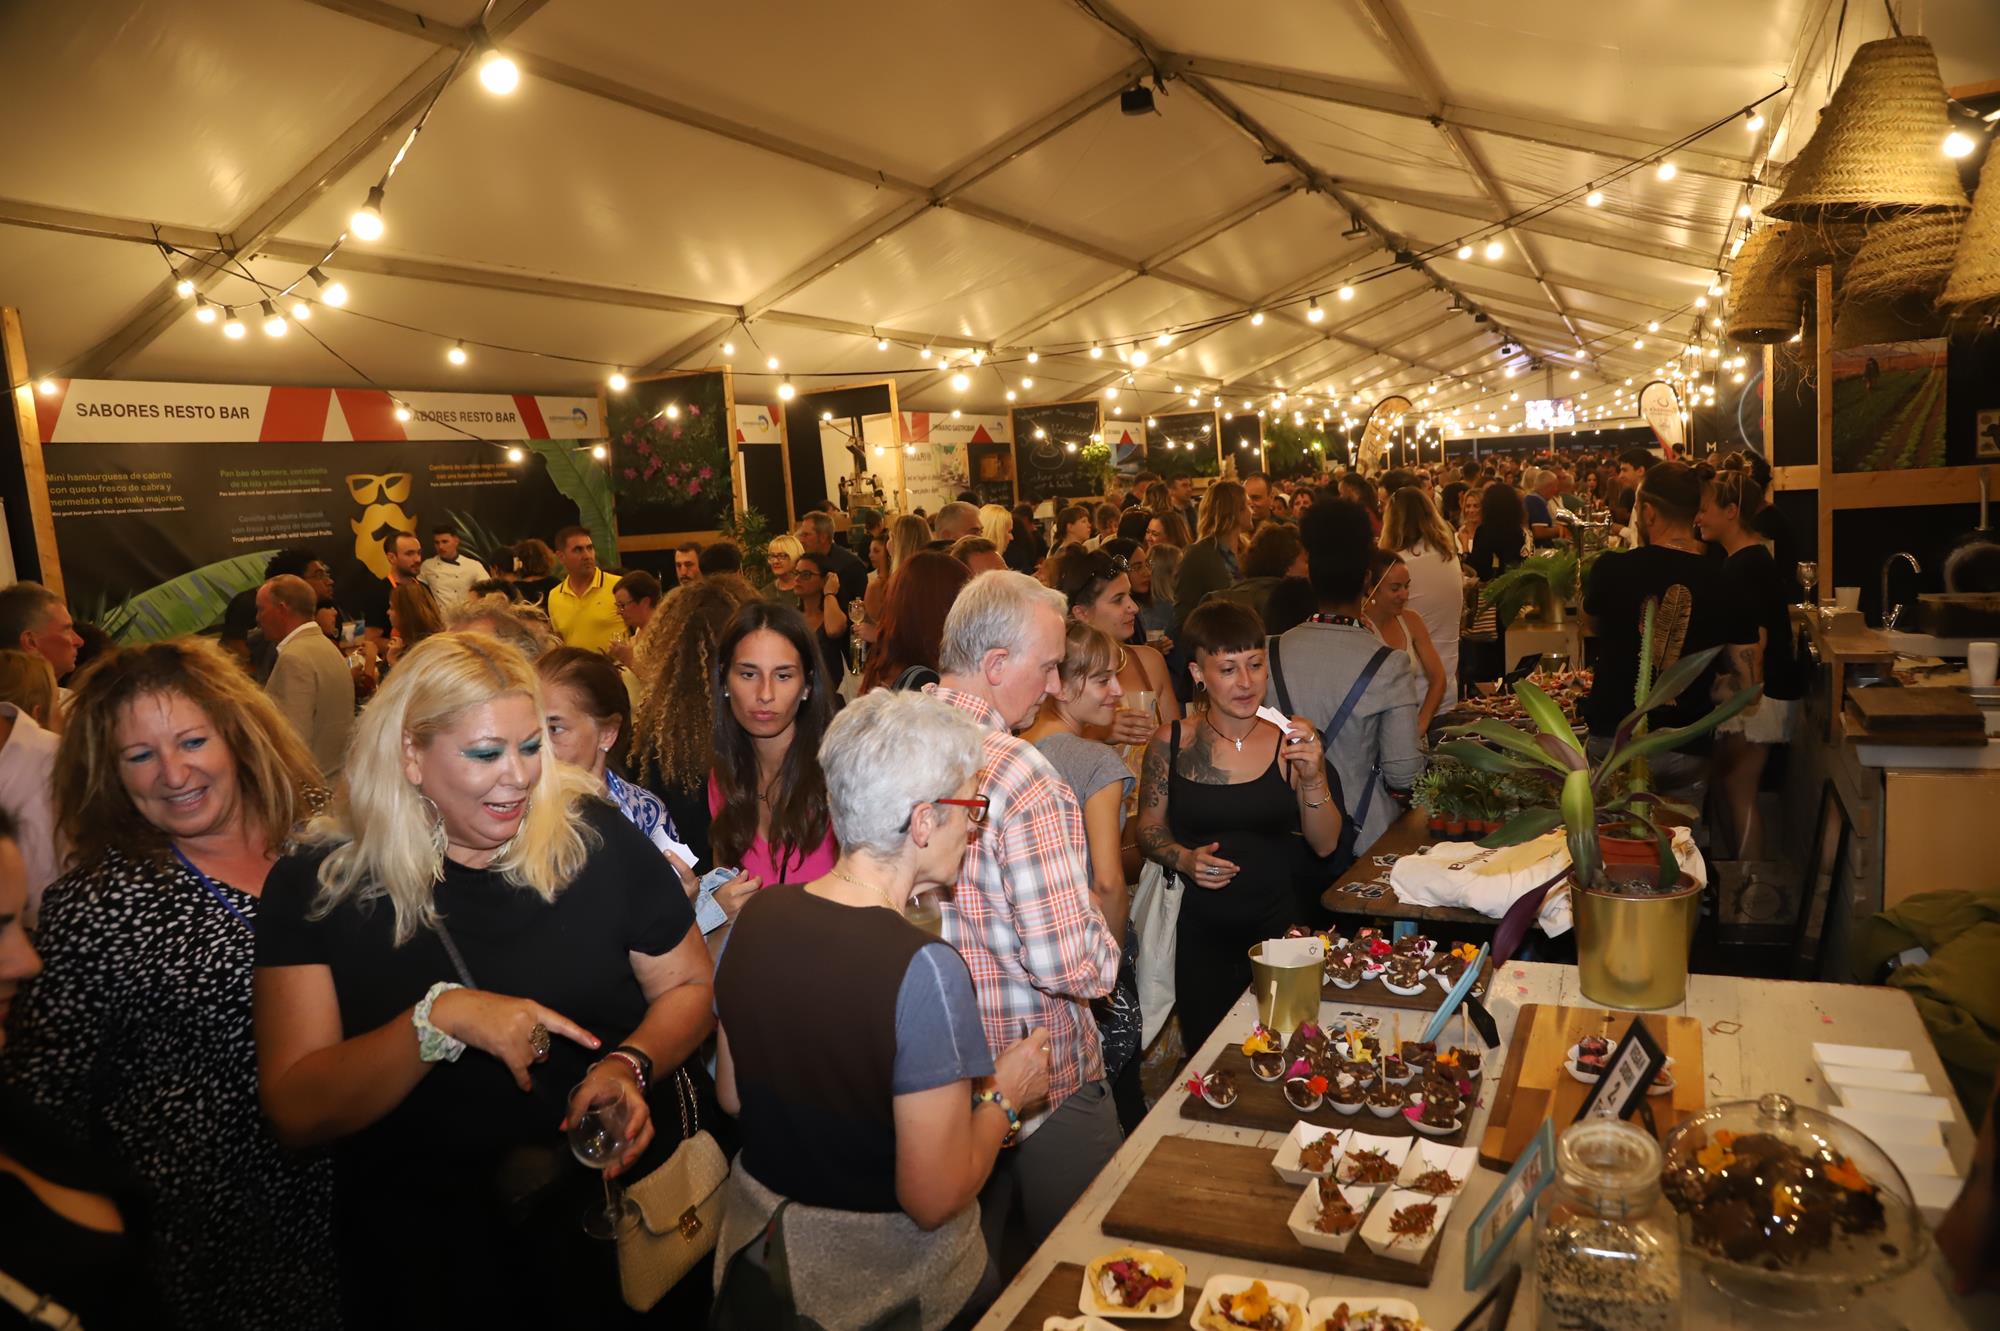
{"x":1021,"y":913}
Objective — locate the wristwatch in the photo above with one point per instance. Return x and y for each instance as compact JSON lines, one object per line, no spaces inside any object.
{"x":433,"y":1045}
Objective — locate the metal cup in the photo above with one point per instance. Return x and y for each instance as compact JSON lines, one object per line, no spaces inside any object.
{"x":1287,"y":996}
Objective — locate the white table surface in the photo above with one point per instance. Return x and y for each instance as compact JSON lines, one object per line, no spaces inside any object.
{"x":1772,"y":1052}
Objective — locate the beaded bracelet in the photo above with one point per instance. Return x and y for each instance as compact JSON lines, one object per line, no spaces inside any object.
{"x":1013,"y":1116}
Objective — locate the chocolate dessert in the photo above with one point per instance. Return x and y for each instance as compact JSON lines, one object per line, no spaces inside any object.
{"x":1419,"y":1053}
{"x":1305,"y":1094}
{"x":1346,"y":1091}
{"x":1396,"y":1070}
{"x":1464,"y":1061}
{"x":1754,"y":1198}
{"x":1316,"y":1156}
{"x":1365,"y":1073}
{"x":1219,"y":1089}
{"x":1405,"y":972}
{"x":1343,"y":968}
{"x":1387,"y":1096}
{"x":1267,"y":1065}
{"x":1412,"y":945}
{"x":1440,"y":1111}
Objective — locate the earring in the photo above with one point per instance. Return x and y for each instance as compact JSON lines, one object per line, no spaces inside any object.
{"x":435,"y":817}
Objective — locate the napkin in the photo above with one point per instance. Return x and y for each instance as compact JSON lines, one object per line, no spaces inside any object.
{"x":1459,"y":873}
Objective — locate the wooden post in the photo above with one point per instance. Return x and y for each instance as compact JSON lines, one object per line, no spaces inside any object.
{"x":21,"y":388}
{"x":1823,"y":399}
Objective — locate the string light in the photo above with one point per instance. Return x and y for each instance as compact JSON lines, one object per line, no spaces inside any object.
{"x":1164,"y":340}
{"x":1494,"y":249}
{"x":498,"y":74}
{"x":881,"y":344}
{"x":516,"y":454}
{"x":1958,"y":144}
{"x":301,"y":311}
{"x":600,"y":452}
{"x":330,"y":293}
{"x":1594,"y":199}
{"x":617,"y":383}
{"x":729,"y":349}
{"x":1139,"y":359}
{"x":924,"y":354}
{"x":1465,"y":251}
{"x":232,"y":327}
{"x":770,"y":362}
{"x":1111,"y":393}
{"x":204,"y":311}
{"x":1033,"y":356}
{"x":1096,"y":352}
{"x":47,"y":387}
{"x":402,"y":413}
{"x":457,"y":354}
{"x":1313,"y":312}
{"x":1667,"y":171}
{"x":274,"y":322}
{"x":1653,"y":327}
{"x":961,"y":381}
{"x":1754,"y":122}
{"x":1257,"y":318}
{"x":1027,"y":384}
{"x":1346,"y":293}
{"x":786,"y":391}
{"x":366,"y":223}
{"x":183,"y":286}
{"x":672,"y":411}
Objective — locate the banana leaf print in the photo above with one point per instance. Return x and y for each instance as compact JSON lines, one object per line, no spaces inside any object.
{"x":189,"y":603}
{"x":585,"y":483}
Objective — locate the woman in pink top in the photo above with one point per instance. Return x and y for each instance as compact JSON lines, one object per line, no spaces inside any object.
{"x":767,"y":797}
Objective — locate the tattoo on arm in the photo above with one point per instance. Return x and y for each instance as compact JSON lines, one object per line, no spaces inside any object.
{"x":1196,"y":763}
{"x":1157,"y":843}
{"x":1153,"y":776}
{"x":1155,"y":839}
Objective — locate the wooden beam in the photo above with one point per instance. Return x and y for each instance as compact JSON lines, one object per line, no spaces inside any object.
{"x":1823,"y":423}
{"x":27,"y":426}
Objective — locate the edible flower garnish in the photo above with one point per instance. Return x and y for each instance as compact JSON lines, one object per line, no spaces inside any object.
{"x":1317,"y":1085}
{"x":1716,"y":1156}
{"x":1380,"y":947}
{"x":1843,"y":1172}
{"x":1194,"y":1084}
{"x":1465,"y":952}
{"x":1299,"y":1068}
{"x":1252,"y":1306}
{"x":1309,"y":1031}
{"x":1261,"y":1041}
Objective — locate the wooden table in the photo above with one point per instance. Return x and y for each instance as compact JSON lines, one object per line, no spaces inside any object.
{"x":1772,"y":1051}
{"x":1405,"y":836}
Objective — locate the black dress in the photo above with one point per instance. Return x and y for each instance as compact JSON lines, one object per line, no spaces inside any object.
{"x":1257,"y":826}
{"x":463,"y":1205}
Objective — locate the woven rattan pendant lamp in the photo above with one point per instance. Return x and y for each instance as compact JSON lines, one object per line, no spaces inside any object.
{"x":1974,"y":287}
{"x":1877,"y":148}
{"x":1764,"y":297}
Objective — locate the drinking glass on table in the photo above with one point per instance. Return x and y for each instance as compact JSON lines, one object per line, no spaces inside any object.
{"x":1808,"y":578}
{"x":597,"y":1138}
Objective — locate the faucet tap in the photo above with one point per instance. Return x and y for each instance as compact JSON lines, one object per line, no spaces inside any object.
{"x":1890,"y":614}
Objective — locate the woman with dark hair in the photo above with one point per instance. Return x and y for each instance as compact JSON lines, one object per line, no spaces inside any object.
{"x":1168,"y":528}
{"x":1450,"y":494}
{"x":1226,"y":803}
{"x":1024,"y":549}
{"x":766,"y":795}
{"x":1358,"y":489}
{"x":413,"y":613}
{"x":1139,"y":570}
{"x":920,"y":596}
{"x":1501,"y":540}
{"x":1388,"y":607}
{"x":819,"y":599}
{"x":1072,"y":526}
{"x":1099,"y":591}
{"x":1132,"y":523}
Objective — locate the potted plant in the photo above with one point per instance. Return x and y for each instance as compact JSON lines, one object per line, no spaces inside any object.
{"x":1550,"y":579}
{"x":1634,"y":922}
{"x":1430,"y":791}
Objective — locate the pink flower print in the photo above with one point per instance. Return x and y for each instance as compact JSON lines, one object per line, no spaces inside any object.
{"x":706,"y":472}
{"x":694,"y":487}
{"x":631,"y":473}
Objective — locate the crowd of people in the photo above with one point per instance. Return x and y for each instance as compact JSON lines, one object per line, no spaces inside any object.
{"x":318,"y":940}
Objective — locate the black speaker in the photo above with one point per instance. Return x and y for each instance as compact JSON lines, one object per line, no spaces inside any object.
{"x":1136,"y":100}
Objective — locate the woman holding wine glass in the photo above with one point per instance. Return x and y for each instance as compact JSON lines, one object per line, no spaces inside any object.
{"x":867,"y":1133}
{"x":413,"y":1015}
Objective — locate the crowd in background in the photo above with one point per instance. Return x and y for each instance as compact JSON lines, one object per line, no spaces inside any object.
{"x":318,"y":938}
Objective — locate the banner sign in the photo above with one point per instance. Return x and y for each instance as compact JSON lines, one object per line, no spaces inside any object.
{"x":1384,"y":427}
{"x":169,"y":499}
{"x":759,"y":425}
{"x":1661,"y":406}
{"x":937,"y":456}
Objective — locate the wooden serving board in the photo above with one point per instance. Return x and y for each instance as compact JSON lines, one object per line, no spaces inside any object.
{"x":1262,"y":1105}
{"x":1534,"y":1084}
{"x":1373,"y":993}
{"x":1222,"y":1198}
{"x":1916,"y":709}
{"x":1056,"y":1297}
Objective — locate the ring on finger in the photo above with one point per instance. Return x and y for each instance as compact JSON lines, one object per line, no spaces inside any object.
{"x":538,"y":1041}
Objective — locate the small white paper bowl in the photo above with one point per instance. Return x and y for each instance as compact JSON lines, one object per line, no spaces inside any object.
{"x":1286,"y":1161}
{"x":1090,"y":1305}
{"x":1418,"y":1125}
{"x":1375,"y":1229}
{"x":1402,"y":991}
{"x":1456,"y":1161}
{"x":1301,"y":1219}
{"x":1395,"y":1149}
{"x":1281,"y":1291}
{"x":1320,"y":1309}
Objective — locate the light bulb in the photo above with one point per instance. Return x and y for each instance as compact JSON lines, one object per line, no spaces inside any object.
{"x":1010,"y":395}
{"x":1034,"y":356}
{"x":1958,"y":144}
{"x":1313,"y":312}
{"x":1096,"y":352}
{"x":1347,"y":293}
{"x":232,"y":327}
{"x":909,"y":450}
{"x":1139,"y":358}
{"x":498,"y":74}
{"x":1070,"y":446}
{"x":183,"y":286}
{"x":1594,"y":199}
{"x":402,"y":412}
{"x":203,"y":311}
{"x":1737,"y":377}
{"x":1164,"y":340}
{"x":1194,"y":399}
{"x":672,"y":412}
{"x":457,"y":354}
{"x":1040,"y":433}
{"x":1152,"y":421}
{"x":826,"y":415}
{"x":961,"y":381}
{"x":1638,"y":344}
{"x":1494,"y":249}
{"x":978,"y":357}
{"x":1465,"y":251}
{"x":301,"y":311}
{"x":516,"y":454}
{"x":47,"y":387}
{"x":366,"y":223}
{"x":1027,"y":383}
{"x":1742,"y":210}
{"x":770,"y":362}
{"x":956,"y":413}
{"x":881,"y":344}
{"x":1667,"y":171}
{"x":729,"y":348}
{"x":1653,"y":327}
{"x":786,"y":391}
{"x":1111,"y":393}
{"x":1576,"y":374}
{"x":274,"y":322}
{"x":600,"y":452}
{"x":617,"y":383}
{"x":1701,"y":302}
{"x":1257,"y":319}
{"x":1755,"y":122}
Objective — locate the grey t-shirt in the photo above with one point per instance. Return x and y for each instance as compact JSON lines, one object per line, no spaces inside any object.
{"x":1321,"y":663}
{"x":1087,"y":766}
{"x":939,"y":1039}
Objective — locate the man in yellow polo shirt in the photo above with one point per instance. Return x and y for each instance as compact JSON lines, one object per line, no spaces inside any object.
{"x":582,"y":606}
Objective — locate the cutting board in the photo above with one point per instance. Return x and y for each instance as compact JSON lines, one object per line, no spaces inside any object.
{"x":1373,"y":993}
{"x":1916,"y":709}
{"x":1262,"y":1105}
{"x":1535,"y":1085}
{"x":1057,"y":1297}
{"x":1222,"y":1198}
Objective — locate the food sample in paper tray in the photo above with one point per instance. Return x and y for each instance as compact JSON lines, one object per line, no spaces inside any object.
{"x":1404,"y":1224}
{"x":1336,"y":1314}
{"x":1134,"y":1282}
{"x":1237,"y":1303}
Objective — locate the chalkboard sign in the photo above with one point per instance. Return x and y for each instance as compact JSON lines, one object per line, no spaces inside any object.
{"x":1048,"y":443}
{"x":1243,"y":440}
{"x":1183,"y":444}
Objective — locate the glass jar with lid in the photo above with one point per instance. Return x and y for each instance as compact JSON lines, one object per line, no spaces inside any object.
{"x":1607,"y":1252}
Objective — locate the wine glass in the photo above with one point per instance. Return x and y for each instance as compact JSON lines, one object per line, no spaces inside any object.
{"x":1808,"y":577}
{"x":598,"y":1137}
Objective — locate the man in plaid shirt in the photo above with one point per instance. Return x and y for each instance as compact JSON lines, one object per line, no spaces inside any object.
{"x":1021,"y":913}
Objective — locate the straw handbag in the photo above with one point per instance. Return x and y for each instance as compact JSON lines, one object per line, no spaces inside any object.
{"x":680,"y":1211}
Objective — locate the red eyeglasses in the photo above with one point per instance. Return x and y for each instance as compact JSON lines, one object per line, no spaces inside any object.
{"x":975,"y":807}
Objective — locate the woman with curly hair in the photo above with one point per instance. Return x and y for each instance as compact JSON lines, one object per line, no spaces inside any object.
{"x":672,"y":737}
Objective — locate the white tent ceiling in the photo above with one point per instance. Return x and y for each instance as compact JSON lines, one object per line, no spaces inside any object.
{"x":799,"y":177}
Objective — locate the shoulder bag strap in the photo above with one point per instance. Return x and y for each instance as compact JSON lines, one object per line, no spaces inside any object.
{"x":1354,"y":693}
{"x":1278,"y":678}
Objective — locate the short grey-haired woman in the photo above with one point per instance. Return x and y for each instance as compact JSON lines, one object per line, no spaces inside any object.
{"x":869,"y":1125}
{"x":478,"y":948}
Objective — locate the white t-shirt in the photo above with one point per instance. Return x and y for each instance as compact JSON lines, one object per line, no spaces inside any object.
{"x":450,"y":582}
{"x":1437,"y":595}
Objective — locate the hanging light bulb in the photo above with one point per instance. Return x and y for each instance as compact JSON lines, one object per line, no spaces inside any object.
{"x":1139,"y":359}
{"x":1027,"y":384}
{"x":457,"y":354}
{"x":770,"y":362}
{"x":786,"y":391}
{"x":366,"y":223}
{"x":1313,"y":312}
{"x":617,"y":383}
{"x":1465,"y":251}
{"x":978,"y":358}
{"x":1096,"y":352}
{"x":1754,"y":121}
{"x":1742,"y":210}
{"x":1346,"y":293}
{"x":1736,"y":378}
{"x":1111,"y":393}
{"x":961,"y":381}
{"x":300,"y":311}
{"x":47,"y":387}
{"x":183,"y":286}
{"x":1194,"y":399}
{"x":1034,"y":356}
{"x":1594,"y":199}
{"x":274,"y":322}
{"x":1010,"y":395}
{"x":1653,"y":327}
{"x":1577,"y":374}
{"x":1152,"y":421}
{"x":600,"y":452}
{"x":729,"y":349}
{"x":232,"y":327}
{"x":956,"y":413}
{"x":204,"y":312}
{"x":826,"y":415}
{"x":1958,"y":144}
{"x":330,"y":293}
{"x":497,"y":73}
{"x":1667,"y":171}
{"x":1164,"y":340}
{"x":516,"y":454}
{"x":1638,"y":344}
{"x":402,"y":413}
{"x":881,"y":344}
{"x":1701,"y":302}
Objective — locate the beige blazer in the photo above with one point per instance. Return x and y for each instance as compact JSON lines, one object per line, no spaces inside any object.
{"x":312,"y":686}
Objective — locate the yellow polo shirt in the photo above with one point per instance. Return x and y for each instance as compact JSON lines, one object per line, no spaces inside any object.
{"x":589,"y":621}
